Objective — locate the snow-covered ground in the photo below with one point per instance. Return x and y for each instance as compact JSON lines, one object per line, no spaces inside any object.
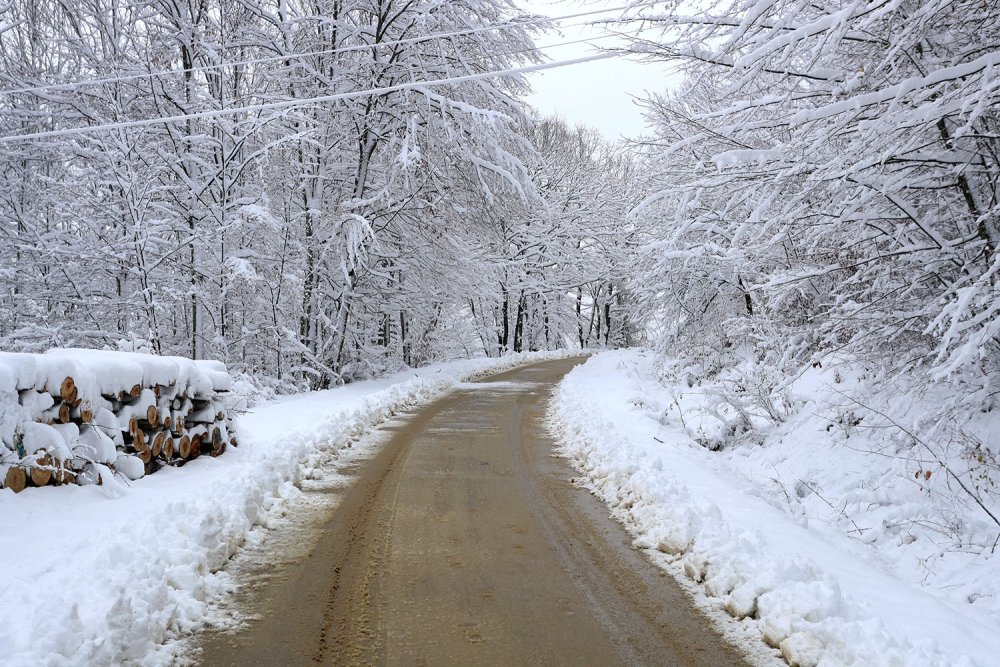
{"x":120,"y":573}
{"x":817,"y":532}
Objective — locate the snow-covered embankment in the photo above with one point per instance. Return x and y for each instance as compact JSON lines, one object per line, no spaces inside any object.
{"x":119,"y":573}
{"x":818,"y":593}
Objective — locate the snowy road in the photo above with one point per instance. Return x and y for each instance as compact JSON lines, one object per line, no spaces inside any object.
{"x":463,"y":542}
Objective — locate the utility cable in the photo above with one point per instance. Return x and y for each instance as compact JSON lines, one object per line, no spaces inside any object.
{"x":334,"y":51}
{"x":290,"y":104}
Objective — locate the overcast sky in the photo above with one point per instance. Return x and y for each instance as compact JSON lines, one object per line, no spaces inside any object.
{"x":599,"y":93}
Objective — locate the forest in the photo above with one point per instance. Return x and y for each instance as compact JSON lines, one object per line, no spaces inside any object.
{"x":308,"y":191}
{"x":318,"y":191}
{"x":283,"y":229}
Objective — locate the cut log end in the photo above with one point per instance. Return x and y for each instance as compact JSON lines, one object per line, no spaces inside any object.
{"x":67,"y":390}
{"x":139,"y":440}
{"x":157,"y":446}
{"x":184,"y":447}
{"x":16,"y":479}
{"x":64,"y":475}
{"x":41,"y":472}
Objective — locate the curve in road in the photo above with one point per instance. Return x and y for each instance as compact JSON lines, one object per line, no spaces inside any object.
{"x":465,"y":542}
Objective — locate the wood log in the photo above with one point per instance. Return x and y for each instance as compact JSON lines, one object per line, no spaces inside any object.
{"x":168,"y":422}
{"x":41,"y":471}
{"x":68,"y":391}
{"x":82,"y":414}
{"x":163,"y":406}
{"x":63,"y":474}
{"x":145,"y":454}
{"x":165,"y":391}
{"x":152,"y":416}
{"x":184,"y":447}
{"x":16,"y":479}
{"x":127,"y":396}
{"x":157,"y":447}
{"x":139,"y":439}
{"x":196,"y":445}
{"x":61,"y":413}
{"x":220,"y":450}
{"x":177,"y":424}
{"x":199,"y":403}
{"x":205,"y":417}
{"x":168,"y":448}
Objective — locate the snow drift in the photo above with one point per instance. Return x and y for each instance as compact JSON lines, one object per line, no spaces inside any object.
{"x":816,"y":543}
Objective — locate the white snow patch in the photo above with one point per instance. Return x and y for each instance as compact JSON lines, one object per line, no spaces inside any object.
{"x":120,"y":573}
{"x":814,"y":590}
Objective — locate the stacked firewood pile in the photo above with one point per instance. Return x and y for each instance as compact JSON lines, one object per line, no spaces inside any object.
{"x":75,"y":416}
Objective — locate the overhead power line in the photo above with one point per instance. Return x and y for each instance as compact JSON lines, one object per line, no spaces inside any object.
{"x":334,"y":51}
{"x":291,"y":104}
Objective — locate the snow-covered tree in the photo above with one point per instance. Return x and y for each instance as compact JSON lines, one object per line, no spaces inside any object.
{"x":828,"y":180}
{"x":559,"y":259}
{"x":318,"y":191}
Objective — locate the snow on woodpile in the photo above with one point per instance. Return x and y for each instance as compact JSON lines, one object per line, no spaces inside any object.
{"x":78,"y":416}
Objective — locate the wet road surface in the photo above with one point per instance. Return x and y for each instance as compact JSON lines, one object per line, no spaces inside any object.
{"x":464,"y":542}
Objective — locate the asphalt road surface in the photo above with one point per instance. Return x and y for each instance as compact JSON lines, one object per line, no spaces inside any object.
{"x":464,"y":542}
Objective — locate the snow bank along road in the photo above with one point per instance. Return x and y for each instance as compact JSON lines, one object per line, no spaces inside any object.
{"x":463,"y":541}
{"x":122,"y":573}
{"x":789,"y":566}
